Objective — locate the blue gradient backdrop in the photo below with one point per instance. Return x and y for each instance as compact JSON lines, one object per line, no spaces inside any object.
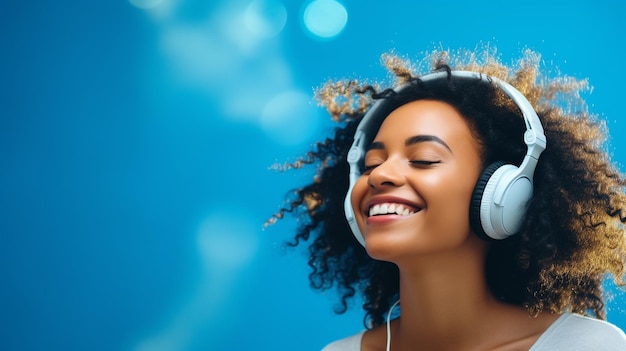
{"x":136,"y":139}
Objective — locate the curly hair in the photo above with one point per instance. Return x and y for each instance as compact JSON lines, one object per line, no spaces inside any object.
{"x":573,"y":236}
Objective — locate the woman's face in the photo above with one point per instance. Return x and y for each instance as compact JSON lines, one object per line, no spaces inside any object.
{"x":414,"y":195}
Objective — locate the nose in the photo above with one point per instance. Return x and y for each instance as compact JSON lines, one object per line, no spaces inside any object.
{"x":389,"y":173}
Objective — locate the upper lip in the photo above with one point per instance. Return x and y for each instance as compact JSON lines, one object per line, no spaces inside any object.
{"x":381,"y":199}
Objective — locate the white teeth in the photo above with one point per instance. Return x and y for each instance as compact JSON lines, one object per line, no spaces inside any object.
{"x":390,"y":208}
{"x":383,"y":208}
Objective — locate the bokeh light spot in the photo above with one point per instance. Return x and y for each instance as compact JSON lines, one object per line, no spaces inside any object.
{"x":325,"y":18}
{"x":265,"y":18}
{"x":288,"y":118}
{"x":227,"y":239}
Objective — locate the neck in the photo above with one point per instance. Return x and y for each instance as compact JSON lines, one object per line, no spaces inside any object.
{"x":443,"y":297}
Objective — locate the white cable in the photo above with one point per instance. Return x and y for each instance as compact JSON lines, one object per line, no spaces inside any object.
{"x":388,"y":324}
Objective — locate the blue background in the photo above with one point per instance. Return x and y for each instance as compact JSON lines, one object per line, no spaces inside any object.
{"x":136,"y":145}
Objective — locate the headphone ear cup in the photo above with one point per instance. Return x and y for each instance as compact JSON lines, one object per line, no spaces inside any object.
{"x":483,"y":192}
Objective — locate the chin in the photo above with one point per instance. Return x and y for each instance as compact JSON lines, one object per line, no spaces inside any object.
{"x":384,"y":249}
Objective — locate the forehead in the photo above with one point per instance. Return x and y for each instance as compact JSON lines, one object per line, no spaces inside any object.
{"x":427,"y":117}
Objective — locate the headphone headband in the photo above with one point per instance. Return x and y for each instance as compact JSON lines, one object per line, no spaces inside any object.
{"x":533,"y":137}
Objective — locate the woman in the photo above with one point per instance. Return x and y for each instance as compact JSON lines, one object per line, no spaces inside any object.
{"x":459,"y":216}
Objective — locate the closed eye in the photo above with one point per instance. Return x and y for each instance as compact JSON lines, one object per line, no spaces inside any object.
{"x":367,"y":169}
{"x":416,"y":163}
{"x":423,"y":163}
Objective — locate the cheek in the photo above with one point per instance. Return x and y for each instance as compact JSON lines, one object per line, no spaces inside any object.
{"x":450,"y":200}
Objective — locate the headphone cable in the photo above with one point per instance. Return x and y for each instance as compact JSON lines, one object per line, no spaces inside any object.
{"x":389,"y":324}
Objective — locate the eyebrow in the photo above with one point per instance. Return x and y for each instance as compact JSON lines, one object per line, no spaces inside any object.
{"x":377,"y":145}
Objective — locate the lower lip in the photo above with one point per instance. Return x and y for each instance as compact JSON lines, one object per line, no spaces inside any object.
{"x":386,"y":219}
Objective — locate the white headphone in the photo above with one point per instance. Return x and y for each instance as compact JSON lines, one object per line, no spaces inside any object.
{"x":498,"y":204}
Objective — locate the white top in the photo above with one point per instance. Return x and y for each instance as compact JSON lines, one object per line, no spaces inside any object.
{"x":570,"y":332}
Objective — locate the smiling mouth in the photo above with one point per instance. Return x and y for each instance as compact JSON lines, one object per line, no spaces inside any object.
{"x":391,"y":209}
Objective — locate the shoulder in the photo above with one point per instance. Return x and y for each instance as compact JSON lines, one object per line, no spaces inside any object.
{"x":576,"y":332}
{"x":351,"y":343}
